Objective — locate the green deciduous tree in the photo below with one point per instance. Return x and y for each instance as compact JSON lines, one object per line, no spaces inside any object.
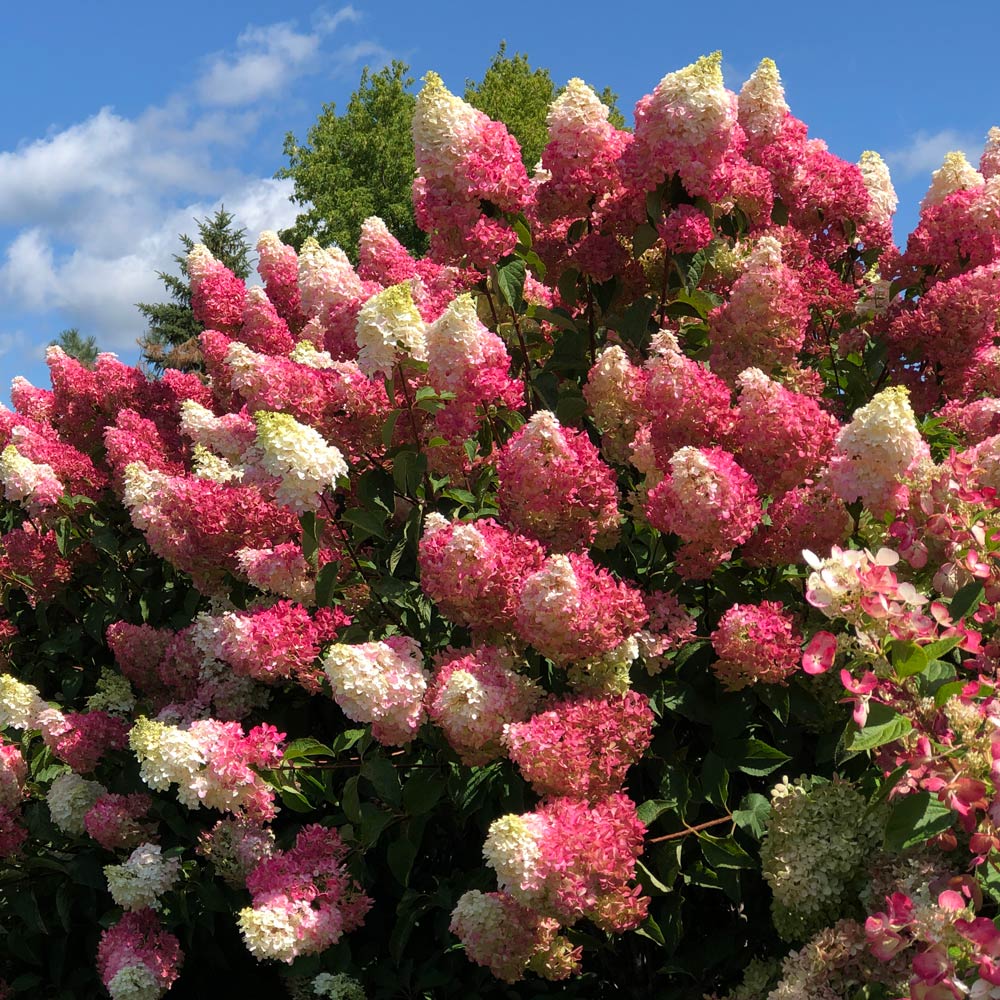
{"x":170,"y":340}
{"x":357,"y":164}
{"x":360,"y":163}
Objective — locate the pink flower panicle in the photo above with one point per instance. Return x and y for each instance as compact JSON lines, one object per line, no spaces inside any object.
{"x":115,"y":821}
{"x":581,"y":747}
{"x":554,"y":486}
{"x":138,"y":940}
{"x":474,"y":570}
{"x":474,"y":694}
{"x":81,"y":739}
{"x":756,"y":644}
{"x":217,"y":295}
{"x":709,"y":502}
{"x":303,"y":899}
{"x":571,"y":610}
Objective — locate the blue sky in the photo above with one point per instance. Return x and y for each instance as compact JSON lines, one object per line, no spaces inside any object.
{"x":123,"y":121}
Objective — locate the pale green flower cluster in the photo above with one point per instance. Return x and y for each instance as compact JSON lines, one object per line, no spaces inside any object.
{"x":69,"y":798}
{"x":819,"y":836}
{"x":389,"y":327}
{"x":114,"y":694}
{"x":142,"y":879}
{"x":339,"y":986}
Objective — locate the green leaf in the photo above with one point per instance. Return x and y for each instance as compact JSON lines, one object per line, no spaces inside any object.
{"x":373,"y":821}
{"x":947,"y":691}
{"x":651,"y":929}
{"x":756,"y":757}
{"x":753,"y":813}
{"x":883,"y":726}
{"x":384,"y":777}
{"x":310,"y":536}
{"x":915,"y":818}
{"x":651,"y":810}
{"x":724,"y":852}
{"x":389,"y":427}
{"x":557,"y":317}
{"x":422,"y":792}
{"x":935,"y":650}
{"x":908,"y":658}
{"x":643,"y":238}
{"x":350,"y":801}
{"x":650,"y":882}
{"x":370,"y":522}
{"x":305,"y":748}
{"x":567,"y":286}
{"x":294,"y":799}
{"x":966,"y":600}
{"x":510,"y":281}
{"x":400,"y":856}
{"x":715,"y":779}
{"x":326,"y":582}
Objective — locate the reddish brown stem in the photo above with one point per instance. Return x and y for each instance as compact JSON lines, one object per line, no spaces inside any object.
{"x":691,"y":829}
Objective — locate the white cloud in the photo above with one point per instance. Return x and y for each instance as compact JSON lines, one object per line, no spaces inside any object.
{"x":267,"y":59}
{"x":90,"y":213}
{"x":926,"y":152}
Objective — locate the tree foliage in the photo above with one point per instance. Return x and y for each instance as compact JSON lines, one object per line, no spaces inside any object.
{"x":360,"y":163}
{"x":170,"y":341}
{"x":84,"y":349}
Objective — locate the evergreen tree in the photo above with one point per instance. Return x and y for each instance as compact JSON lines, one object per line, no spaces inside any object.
{"x":84,"y":349}
{"x":361,"y":163}
{"x":171,"y":339}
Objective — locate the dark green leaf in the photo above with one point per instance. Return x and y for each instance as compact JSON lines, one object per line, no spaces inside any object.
{"x":915,"y":818}
{"x":966,"y":600}
{"x":510,"y":281}
{"x":883,"y":726}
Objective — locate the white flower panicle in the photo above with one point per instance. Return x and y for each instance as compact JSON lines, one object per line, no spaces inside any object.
{"x":762,"y":105}
{"x":140,"y":881}
{"x":578,"y":119}
{"x":875,"y":173}
{"x":444,"y":126}
{"x":300,"y":457}
{"x":20,"y":703}
{"x":390,"y":327}
{"x":69,"y":798}
{"x":955,"y":174}
{"x":326,"y":279}
{"x":692,"y":104}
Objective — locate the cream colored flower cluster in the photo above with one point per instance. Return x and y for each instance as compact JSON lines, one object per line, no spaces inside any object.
{"x":389,"y":327}
{"x":141,"y":880}
{"x":819,"y":836}
{"x":300,"y":457}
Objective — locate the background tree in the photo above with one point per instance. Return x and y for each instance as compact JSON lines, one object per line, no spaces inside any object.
{"x":171,"y":340}
{"x":361,"y":163}
{"x":357,"y":164}
{"x":519,"y":96}
{"x":84,"y":349}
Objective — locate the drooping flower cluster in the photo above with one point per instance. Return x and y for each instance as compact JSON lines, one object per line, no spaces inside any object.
{"x":572,"y":610}
{"x":709,"y":502}
{"x":572,"y":860}
{"x":303,"y":898}
{"x":211,"y":763}
{"x":554,"y":486}
{"x":137,"y":958}
{"x":474,"y":571}
{"x":756,"y":644}
{"x":474,"y":695}
{"x":382,"y":683}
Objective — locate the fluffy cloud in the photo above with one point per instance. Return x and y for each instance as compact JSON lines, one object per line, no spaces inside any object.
{"x":89,"y":214}
{"x":926,"y":151}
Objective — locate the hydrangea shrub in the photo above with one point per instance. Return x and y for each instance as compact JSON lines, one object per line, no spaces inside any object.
{"x":602,"y":605}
